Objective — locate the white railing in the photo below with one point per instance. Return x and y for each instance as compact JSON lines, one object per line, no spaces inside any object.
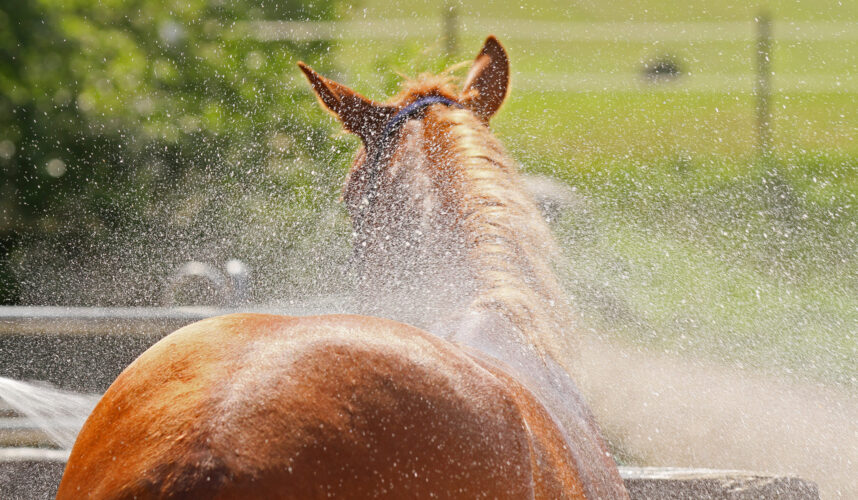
{"x":690,"y":83}
{"x":531,"y":30}
{"x":583,"y":32}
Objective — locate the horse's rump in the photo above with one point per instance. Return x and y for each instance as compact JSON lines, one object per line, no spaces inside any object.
{"x":348,"y":406}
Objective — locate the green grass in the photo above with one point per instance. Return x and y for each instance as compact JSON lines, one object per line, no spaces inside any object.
{"x":658,"y":125}
{"x":675,"y":294}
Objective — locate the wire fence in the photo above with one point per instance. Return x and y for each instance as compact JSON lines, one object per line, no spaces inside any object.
{"x":689,"y":83}
{"x":451,"y":28}
{"x":532,"y":30}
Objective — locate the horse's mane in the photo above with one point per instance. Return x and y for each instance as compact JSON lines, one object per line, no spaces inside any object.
{"x":509,"y":244}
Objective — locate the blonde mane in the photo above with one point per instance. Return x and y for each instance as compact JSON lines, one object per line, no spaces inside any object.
{"x":505,"y":245}
{"x":448,"y":239}
{"x":509,"y":245}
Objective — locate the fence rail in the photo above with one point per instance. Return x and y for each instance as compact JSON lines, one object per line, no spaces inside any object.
{"x":451,"y":27}
{"x":742,"y":83}
{"x":547,"y":31}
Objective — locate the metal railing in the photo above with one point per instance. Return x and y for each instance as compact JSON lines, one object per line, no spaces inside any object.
{"x":543,"y":31}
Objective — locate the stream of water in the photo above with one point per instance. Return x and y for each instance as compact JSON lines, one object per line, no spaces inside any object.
{"x":59,"y":414}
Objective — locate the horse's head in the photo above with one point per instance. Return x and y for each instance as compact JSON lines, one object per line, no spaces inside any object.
{"x":384,"y":128}
{"x":398,"y":191}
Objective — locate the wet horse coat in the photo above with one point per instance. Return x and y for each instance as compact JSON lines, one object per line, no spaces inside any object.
{"x":252,"y":405}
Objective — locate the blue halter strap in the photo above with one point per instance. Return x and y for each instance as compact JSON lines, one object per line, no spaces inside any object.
{"x":413,"y":109}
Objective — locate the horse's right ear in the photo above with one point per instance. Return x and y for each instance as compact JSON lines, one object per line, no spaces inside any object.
{"x":358,"y":114}
{"x":488,"y":80}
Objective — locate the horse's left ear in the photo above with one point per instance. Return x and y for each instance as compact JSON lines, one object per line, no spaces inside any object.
{"x":358,"y":114}
{"x":488,"y":80}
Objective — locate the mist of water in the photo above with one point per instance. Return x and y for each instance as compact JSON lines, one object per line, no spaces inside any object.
{"x":60,"y":414}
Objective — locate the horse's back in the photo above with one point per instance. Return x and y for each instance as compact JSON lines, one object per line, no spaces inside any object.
{"x":284,"y":407}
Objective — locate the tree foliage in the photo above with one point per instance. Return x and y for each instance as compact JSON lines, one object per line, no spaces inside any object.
{"x":150,"y":117}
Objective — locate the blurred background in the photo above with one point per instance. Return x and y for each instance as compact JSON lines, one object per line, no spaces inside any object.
{"x":707,"y":154}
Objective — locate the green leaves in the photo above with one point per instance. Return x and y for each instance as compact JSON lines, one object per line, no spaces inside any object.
{"x":114,"y":111}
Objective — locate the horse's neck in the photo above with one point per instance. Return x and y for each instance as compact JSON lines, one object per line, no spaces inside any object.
{"x":411,"y":257}
{"x":506,"y":241}
{"x":517,"y":314}
{"x":453,"y":235}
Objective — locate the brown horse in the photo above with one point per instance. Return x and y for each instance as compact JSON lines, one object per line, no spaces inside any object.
{"x":250,"y":405}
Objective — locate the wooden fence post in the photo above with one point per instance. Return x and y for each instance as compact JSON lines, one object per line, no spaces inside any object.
{"x":763,"y":84}
{"x":450,"y":27}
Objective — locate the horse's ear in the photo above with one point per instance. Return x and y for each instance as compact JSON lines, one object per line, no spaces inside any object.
{"x":488,"y":80}
{"x":358,"y":114}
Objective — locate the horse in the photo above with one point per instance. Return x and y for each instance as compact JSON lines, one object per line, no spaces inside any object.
{"x":475,"y":404}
